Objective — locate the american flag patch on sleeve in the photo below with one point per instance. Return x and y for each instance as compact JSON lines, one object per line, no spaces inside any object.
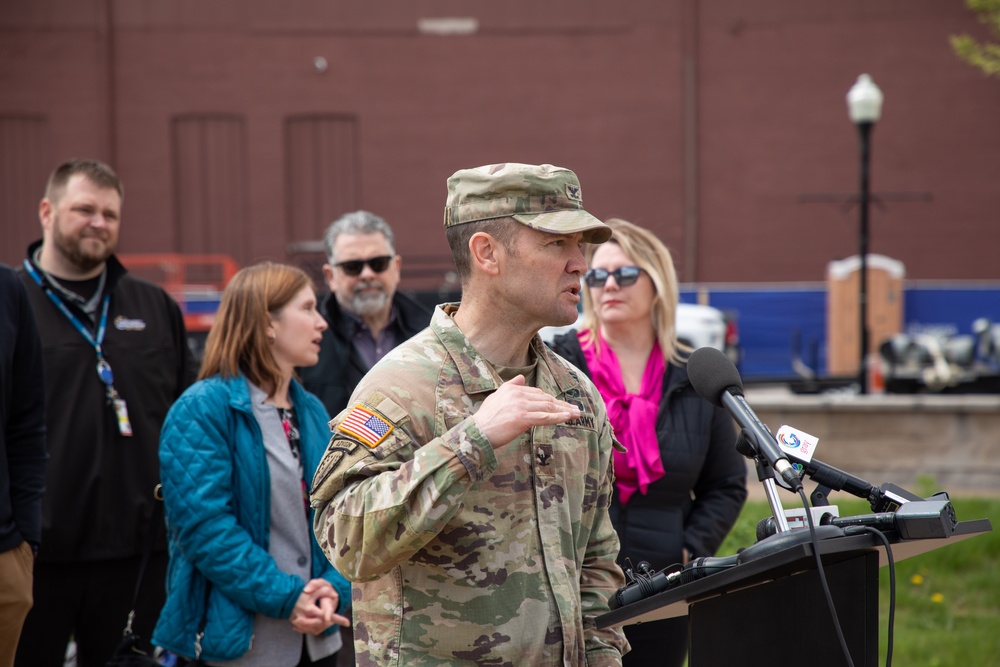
{"x":369,"y":428}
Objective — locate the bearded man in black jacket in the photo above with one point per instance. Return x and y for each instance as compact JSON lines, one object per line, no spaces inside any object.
{"x":367,"y":315}
{"x":115,"y":358}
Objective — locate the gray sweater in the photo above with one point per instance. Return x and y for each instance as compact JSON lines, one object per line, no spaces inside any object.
{"x":275,"y":642}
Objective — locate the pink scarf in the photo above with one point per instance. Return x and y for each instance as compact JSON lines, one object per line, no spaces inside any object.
{"x":633,"y":416}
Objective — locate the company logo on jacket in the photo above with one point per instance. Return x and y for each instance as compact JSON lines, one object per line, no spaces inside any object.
{"x":123,"y":323}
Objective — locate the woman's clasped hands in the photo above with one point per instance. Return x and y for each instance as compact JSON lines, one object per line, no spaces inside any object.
{"x":316,"y":609}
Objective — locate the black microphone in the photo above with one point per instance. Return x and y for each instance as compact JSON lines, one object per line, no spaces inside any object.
{"x":889,"y":497}
{"x":884,"y":499}
{"x":798,"y":446}
{"x":706,"y":565}
{"x":766,"y":527}
{"x":715,"y":378}
{"x":744,"y":446}
{"x":914,"y":520}
{"x":645,"y":583}
{"x":836,"y":479}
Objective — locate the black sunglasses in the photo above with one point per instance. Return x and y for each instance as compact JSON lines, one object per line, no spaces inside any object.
{"x":354,"y":267}
{"x":623,"y":275}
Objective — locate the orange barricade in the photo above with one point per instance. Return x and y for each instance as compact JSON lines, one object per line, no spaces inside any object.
{"x":194,"y":281}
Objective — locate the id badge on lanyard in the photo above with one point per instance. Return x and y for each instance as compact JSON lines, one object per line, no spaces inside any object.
{"x":116,"y":401}
{"x":104,"y":372}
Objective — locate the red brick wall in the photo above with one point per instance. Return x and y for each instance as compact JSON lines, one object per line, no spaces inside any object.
{"x":705,"y":121}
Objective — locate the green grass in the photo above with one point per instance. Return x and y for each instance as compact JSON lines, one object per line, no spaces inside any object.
{"x":947,"y":600}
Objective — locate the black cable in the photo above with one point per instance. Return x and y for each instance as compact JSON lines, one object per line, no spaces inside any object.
{"x":892,"y":583}
{"x":822,"y":579}
{"x":644,"y":583}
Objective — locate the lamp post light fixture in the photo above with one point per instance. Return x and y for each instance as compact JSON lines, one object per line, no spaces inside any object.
{"x":864,"y":105}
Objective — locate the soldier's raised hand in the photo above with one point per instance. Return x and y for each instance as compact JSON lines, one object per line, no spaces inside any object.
{"x":514,"y":408}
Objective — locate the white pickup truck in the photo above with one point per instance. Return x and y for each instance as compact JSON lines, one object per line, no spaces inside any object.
{"x":705,"y":326}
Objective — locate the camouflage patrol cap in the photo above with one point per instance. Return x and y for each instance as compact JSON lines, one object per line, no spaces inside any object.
{"x":543,"y":197}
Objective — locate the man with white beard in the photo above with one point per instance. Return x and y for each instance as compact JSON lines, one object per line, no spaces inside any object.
{"x":367,"y":316}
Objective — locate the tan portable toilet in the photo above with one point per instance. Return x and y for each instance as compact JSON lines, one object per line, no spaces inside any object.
{"x":885,"y":309}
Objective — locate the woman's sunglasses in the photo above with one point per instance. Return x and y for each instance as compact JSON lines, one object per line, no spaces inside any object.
{"x":354,"y":267}
{"x":623,"y":275}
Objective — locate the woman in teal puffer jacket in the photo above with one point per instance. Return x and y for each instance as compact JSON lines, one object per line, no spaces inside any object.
{"x":247,"y":583}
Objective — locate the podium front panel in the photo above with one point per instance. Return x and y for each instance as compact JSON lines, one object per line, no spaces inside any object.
{"x":787,"y":621}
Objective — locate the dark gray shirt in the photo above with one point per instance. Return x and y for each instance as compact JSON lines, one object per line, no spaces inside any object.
{"x":369,"y":349}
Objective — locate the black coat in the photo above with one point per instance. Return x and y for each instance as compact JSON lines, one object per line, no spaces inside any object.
{"x":22,"y":417}
{"x":703,"y":488}
{"x":340,"y":367}
{"x":99,"y":483}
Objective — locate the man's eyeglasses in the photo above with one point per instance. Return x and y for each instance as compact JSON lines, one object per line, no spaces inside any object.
{"x":623,"y":275}
{"x":354,"y":267}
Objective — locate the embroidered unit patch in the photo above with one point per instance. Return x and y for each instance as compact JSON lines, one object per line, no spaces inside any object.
{"x":369,"y":428}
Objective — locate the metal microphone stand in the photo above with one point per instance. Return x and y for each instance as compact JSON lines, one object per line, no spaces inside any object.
{"x":765,"y":475}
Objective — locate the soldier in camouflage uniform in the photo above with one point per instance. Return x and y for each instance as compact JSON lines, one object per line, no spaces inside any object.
{"x":465,"y":490}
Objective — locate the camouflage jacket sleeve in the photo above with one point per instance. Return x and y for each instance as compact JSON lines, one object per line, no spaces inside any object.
{"x":379,"y":502}
{"x":601,"y":575}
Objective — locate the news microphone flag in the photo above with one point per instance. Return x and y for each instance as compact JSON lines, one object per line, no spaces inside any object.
{"x":797,"y":444}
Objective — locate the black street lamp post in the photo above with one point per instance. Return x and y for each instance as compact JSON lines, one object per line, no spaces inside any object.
{"x":864,"y":103}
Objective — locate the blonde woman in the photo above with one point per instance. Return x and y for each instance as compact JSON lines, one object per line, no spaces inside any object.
{"x":681,"y":484}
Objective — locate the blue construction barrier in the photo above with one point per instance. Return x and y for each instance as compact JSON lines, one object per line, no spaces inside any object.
{"x":777,"y":322}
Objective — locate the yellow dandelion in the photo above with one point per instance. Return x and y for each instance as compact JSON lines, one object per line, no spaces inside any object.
{"x":938,"y":598}
{"x":917,"y":579}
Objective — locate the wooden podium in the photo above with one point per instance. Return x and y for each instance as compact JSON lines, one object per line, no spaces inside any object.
{"x":771,"y":611}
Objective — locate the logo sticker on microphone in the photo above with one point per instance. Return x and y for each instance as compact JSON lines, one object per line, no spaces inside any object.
{"x":797,"y":444}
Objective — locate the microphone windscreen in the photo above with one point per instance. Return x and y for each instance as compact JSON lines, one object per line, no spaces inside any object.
{"x":766,"y":528}
{"x":711,"y":373}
